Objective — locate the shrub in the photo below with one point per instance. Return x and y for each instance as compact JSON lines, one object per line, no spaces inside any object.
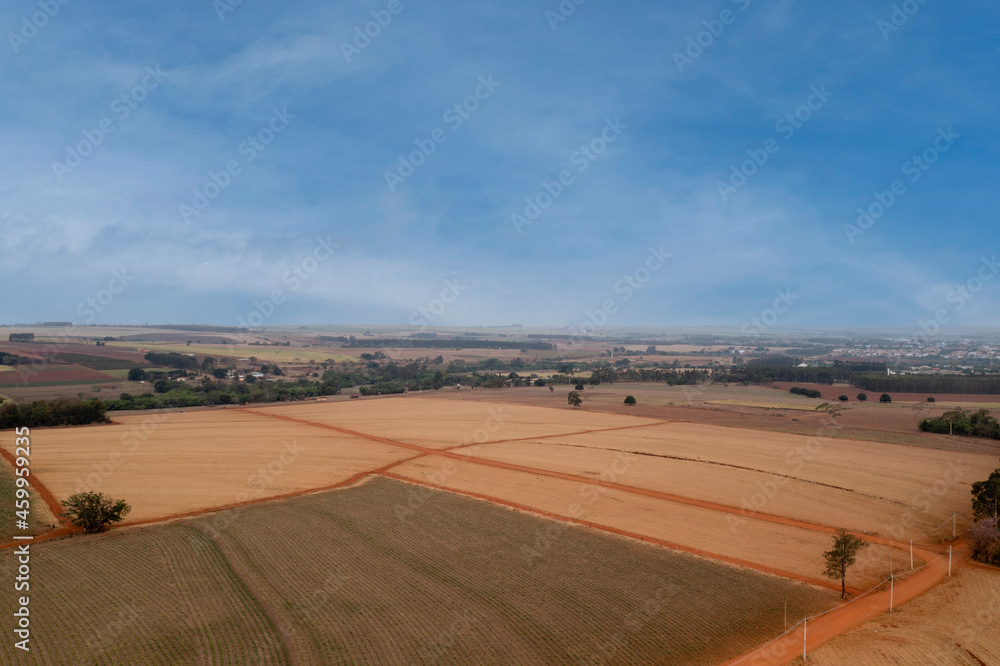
{"x":93,"y":511}
{"x":629,"y":400}
{"x":885,"y":397}
{"x":843,"y":398}
{"x":984,"y":538}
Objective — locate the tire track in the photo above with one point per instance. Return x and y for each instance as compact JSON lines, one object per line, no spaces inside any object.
{"x":291,"y":654}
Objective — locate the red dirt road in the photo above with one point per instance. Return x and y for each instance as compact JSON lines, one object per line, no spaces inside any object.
{"x":789,"y":647}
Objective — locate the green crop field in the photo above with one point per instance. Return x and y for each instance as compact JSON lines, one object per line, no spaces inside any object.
{"x":340,"y":577}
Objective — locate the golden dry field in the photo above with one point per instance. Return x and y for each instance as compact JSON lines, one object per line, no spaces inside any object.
{"x":763,"y":501}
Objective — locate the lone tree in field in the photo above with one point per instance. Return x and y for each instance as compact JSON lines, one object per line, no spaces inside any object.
{"x":629,"y":400}
{"x":844,"y":554}
{"x":862,"y":397}
{"x":885,"y":397}
{"x":93,"y":511}
{"x":574,"y":399}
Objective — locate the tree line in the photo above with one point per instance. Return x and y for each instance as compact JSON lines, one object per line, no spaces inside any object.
{"x":968,"y":384}
{"x":172,"y":360}
{"x":960,"y":422}
{"x":406,"y":343}
{"x":61,"y":412}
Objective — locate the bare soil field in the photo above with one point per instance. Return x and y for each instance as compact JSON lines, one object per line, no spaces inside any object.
{"x":894,"y":423}
{"x":858,"y":500}
{"x":172,"y":463}
{"x":52,"y":374}
{"x":314,"y":579}
{"x":434,"y":423}
{"x":954,"y":623}
{"x":33,"y":392}
{"x":47,"y":349}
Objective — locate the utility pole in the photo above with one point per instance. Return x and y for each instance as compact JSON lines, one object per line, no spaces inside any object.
{"x":892,"y":582}
{"x":911,"y":554}
{"x":805,"y":630}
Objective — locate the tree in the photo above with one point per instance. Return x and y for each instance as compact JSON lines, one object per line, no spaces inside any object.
{"x":862,"y":397}
{"x":843,"y":398}
{"x":986,"y":497}
{"x":843,"y":555}
{"x":574,"y":399}
{"x":885,"y":397}
{"x":136,"y":374}
{"x":552,"y":388}
{"x":931,"y":399}
{"x":833,"y":410}
{"x":578,"y":387}
{"x":629,"y":400}
{"x":984,"y":540}
{"x":93,"y":511}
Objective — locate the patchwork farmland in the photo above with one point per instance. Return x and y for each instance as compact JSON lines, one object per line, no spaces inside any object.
{"x":264,"y":500}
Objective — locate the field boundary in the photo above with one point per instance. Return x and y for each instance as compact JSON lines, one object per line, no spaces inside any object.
{"x":625,"y":533}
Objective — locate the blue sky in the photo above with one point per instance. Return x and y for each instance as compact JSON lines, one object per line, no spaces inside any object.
{"x":330,"y":121}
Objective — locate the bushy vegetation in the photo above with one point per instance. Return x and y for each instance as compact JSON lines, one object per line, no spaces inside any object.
{"x":984,"y":539}
{"x":93,"y":511}
{"x":808,"y":393}
{"x":909,"y":383}
{"x":11,"y":359}
{"x":984,"y":535}
{"x":60,"y":412}
{"x":610,"y":375}
{"x":173,"y":360}
{"x":960,"y":422}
